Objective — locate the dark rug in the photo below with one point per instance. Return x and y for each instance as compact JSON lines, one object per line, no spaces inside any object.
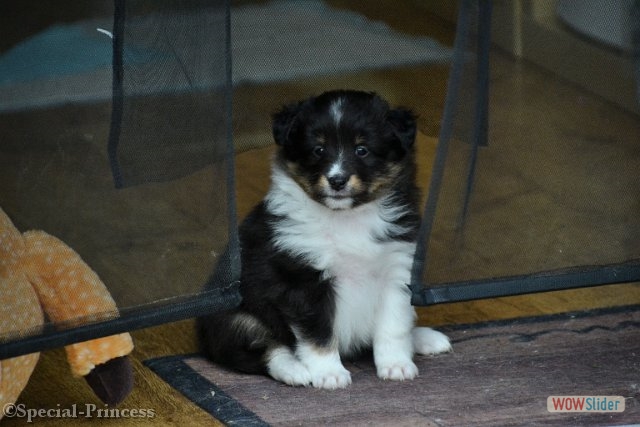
{"x":500,"y":373}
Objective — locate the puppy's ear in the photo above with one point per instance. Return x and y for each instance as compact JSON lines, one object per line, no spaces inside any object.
{"x":284,"y":123}
{"x":403,"y":123}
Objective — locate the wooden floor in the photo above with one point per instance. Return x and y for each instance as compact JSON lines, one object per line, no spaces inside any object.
{"x":421,"y":88}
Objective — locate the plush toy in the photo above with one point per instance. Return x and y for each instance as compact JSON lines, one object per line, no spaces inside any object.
{"x":40,"y":274}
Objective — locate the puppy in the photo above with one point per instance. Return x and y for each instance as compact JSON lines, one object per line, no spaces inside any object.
{"x":326,"y":257}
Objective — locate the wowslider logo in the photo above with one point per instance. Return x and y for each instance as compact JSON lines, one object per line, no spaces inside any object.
{"x":585,"y":404}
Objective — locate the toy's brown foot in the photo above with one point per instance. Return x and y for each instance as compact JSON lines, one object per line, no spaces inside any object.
{"x":112,"y":381}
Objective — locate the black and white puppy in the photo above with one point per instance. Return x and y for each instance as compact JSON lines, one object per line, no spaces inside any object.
{"x":326,"y":257}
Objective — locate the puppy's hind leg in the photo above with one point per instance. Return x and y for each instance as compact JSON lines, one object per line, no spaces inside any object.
{"x":324,"y":365}
{"x":239,"y":340}
{"x":284,"y":366}
{"x":427,"y":341}
{"x":234,"y":339}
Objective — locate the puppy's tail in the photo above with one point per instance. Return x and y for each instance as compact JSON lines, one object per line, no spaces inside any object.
{"x":235,"y":339}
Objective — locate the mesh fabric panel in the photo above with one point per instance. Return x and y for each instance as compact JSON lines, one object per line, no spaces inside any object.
{"x":142,"y":187}
{"x":526,"y":199}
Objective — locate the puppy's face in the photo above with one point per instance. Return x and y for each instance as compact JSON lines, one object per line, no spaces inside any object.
{"x":345,"y":148}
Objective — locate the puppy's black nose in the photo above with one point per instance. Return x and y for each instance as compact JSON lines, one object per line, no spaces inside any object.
{"x":338,"y":182}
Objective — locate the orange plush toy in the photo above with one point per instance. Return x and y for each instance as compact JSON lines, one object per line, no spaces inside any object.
{"x":40,"y":274}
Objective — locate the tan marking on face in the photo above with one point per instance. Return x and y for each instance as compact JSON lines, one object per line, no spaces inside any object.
{"x":294,"y":172}
{"x":323,"y":184}
{"x":385,"y":181}
{"x":355,"y":184}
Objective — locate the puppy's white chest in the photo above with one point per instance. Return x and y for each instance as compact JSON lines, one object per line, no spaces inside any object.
{"x":363,"y":282}
{"x":356,"y":256}
{"x":358,"y":271}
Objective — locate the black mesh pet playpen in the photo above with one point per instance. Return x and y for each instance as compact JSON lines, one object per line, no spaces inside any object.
{"x":141,"y":184}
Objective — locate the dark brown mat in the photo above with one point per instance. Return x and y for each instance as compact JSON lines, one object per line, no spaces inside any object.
{"x":499,"y":373}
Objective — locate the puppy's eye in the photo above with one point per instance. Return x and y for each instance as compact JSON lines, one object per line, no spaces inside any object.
{"x":362,"y":151}
{"x":318,"y":151}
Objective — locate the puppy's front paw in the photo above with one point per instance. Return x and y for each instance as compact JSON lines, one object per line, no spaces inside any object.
{"x":393,"y":357}
{"x":428,"y":341}
{"x":398,"y":371}
{"x":331,"y":379}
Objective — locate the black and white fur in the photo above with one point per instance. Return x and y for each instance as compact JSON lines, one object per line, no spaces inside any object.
{"x":326,"y":257}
